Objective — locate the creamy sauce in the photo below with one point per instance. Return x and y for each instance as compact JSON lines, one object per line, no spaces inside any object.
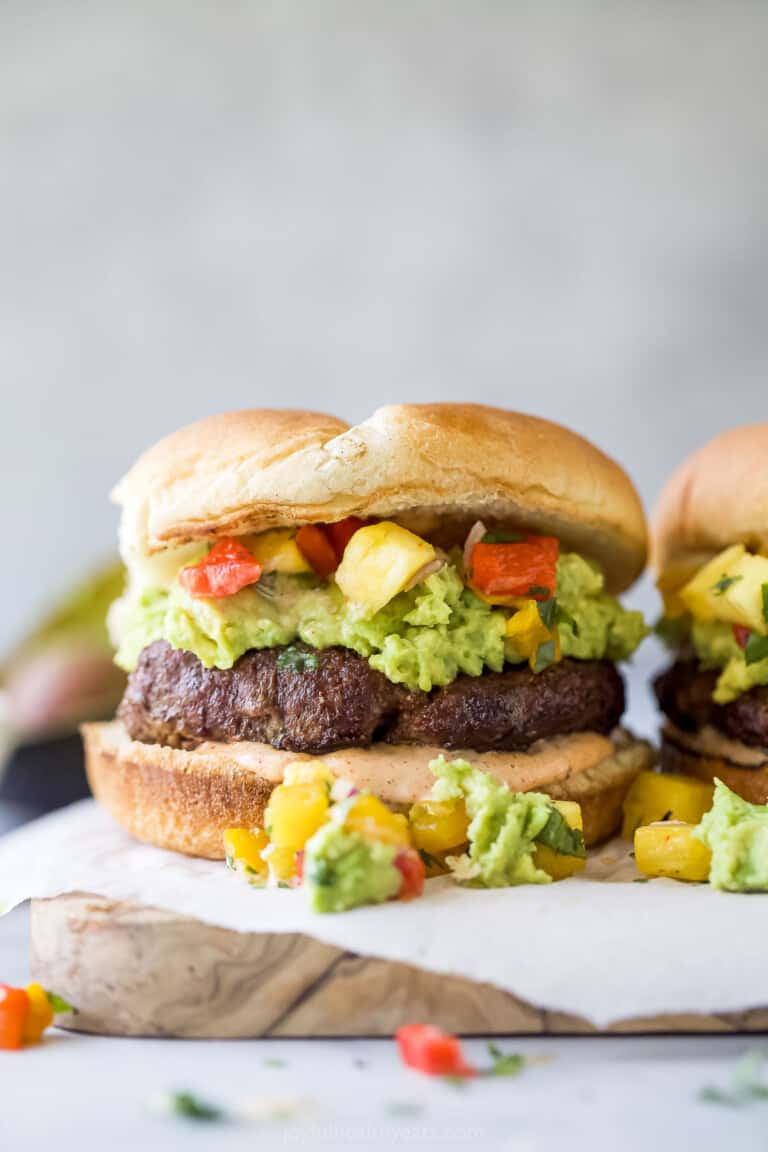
{"x":709,"y":742}
{"x":398,"y":773}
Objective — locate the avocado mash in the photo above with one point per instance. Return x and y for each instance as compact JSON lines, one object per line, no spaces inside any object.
{"x":343,"y":870}
{"x":736,"y":833}
{"x":504,"y":827}
{"x":716,"y":647}
{"x":423,"y":638}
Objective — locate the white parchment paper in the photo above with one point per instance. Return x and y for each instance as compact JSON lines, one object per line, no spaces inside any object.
{"x":600,"y":945}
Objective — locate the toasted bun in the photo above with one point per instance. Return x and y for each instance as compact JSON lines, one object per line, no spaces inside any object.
{"x":717,"y":497}
{"x":435,"y":467}
{"x":183,"y":800}
{"x":751,"y":783}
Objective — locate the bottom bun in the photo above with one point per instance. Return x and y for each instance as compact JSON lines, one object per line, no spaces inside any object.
{"x":183,"y":800}
{"x":750,"y":783}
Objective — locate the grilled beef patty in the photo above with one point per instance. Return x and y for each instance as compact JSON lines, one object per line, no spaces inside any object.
{"x":684,"y":692}
{"x":338,"y":701}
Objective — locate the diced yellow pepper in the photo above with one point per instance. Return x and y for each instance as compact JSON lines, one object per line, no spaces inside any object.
{"x":526,"y":630}
{"x":370,"y":818}
{"x":729,"y":588}
{"x":295,"y":812}
{"x":555,"y":864}
{"x":244,"y":847}
{"x":308,"y":772}
{"x":277,"y":551}
{"x":437,"y":825}
{"x":39,"y":1013}
{"x":379,"y":561}
{"x":652,"y":797}
{"x":670,"y":849}
{"x":282,"y":863}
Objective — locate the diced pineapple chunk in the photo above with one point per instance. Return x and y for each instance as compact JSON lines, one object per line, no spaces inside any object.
{"x":670,"y":583}
{"x":670,"y":849}
{"x":370,"y":818}
{"x":526,"y":631}
{"x":556,"y":865}
{"x":437,"y":825}
{"x":379,"y":561}
{"x":729,"y":588}
{"x":282,"y":864}
{"x":308,"y":772}
{"x":277,"y":551}
{"x":652,"y":797}
{"x":244,"y":848}
{"x":295,"y":812}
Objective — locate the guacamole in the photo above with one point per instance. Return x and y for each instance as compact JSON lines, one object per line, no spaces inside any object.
{"x":423,"y":638}
{"x":504,"y":827}
{"x":343,"y":870}
{"x":736,"y":833}
{"x":716,"y":647}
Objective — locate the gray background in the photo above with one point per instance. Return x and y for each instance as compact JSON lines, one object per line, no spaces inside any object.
{"x":557,"y":207}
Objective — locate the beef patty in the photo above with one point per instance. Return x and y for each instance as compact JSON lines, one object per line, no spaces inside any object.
{"x":338,"y":701}
{"x":684,"y":692}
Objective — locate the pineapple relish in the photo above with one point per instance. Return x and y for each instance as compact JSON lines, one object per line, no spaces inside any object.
{"x":421,"y":617}
{"x":722,"y":610}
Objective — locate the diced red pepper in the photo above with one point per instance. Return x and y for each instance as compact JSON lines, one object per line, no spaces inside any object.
{"x":741,"y":634}
{"x":315,"y":546}
{"x":342,"y":532}
{"x":411,"y":865}
{"x":432,"y":1051}
{"x":14,"y":1008}
{"x":527,"y":568}
{"x":227,"y":568}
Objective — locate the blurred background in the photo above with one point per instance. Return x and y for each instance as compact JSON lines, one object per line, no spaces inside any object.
{"x":559,"y":207}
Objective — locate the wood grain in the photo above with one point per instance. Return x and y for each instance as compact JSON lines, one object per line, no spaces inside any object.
{"x":137,"y":971}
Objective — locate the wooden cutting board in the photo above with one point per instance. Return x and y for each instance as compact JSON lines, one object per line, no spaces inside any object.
{"x":137,"y":971}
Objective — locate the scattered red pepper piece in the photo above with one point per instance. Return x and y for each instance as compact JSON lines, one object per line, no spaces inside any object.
{"x":342,"y":532}
{"x":315,"y":546}
{"x":432,"y":1051}
{"x":411,"y":865}
{"x":741,"y":635}
{"x":227,"y":568}
{"x":527,"y":568}
{"x":300,"y":866}
{"x":14,"y":1008}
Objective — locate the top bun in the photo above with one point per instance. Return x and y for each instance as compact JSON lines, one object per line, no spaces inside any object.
{"x":718,"y":496}
{"x":434,"y":467}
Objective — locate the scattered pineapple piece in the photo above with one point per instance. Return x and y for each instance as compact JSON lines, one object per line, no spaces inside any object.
{"x":526,"y":632}
{"x":729,"y":588}
{"x":277,"y":551}
{"x":437,"y":825}
{"x":244,"y":848}
{"x":652,"y":797}
{"x":281,"y":863}
{"x":670,"y":583}
{"x":366,"y":815}
{"x":295,"y":812}
{"x":379,"y":561}
{"x":556,"y":865}
{"x":670,"y":849}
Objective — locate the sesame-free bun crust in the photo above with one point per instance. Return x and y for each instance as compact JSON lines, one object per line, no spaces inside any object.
{"x":750,"y":783}
{"x":434,"y":467}
{"x":183,"y":800}
{"x":717,"y":497}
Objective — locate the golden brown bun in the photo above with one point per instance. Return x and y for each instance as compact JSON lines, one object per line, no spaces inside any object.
{"x":718,"y":496}
{"x":435,"y":467}
{"x":183,"y":800}
{"x":751,"y":783}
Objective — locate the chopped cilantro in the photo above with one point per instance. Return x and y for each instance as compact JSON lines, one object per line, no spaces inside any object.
{"x":539,"y":590}
{"x":297,"y":660}
{"x":504,"y":1063}
{"x":756,"y":648}
{"x":723,"y":584}
{"x":191,"y":1107}
{"x":546,"y":655}
{"x":748,"y":1084}
{"x":500,"y":536}
{"x":273,"y":1062}
{"x":558,"y":835}
{"x":667,"y":816}
{"x":58,"y":1003}
{"x":547,"y":610}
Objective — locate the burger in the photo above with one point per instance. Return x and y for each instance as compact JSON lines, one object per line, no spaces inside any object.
{"x":709,"y":549}
{"x":439,"y":578}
